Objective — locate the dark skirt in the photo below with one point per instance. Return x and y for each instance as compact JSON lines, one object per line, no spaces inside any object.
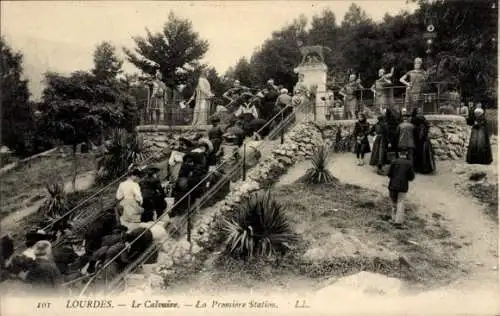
{"x":363,"y":146}
{"x":379,"y":152}
{"x":424,"y":158}
{"x":479,"y":150}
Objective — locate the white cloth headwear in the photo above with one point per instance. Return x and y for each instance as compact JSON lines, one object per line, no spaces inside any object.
{"x":284,"y":91}
{"x":478,"y":111}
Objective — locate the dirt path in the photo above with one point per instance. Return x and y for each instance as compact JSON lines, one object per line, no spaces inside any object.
{"x":436,"y":194}
{"x":83,"y":181}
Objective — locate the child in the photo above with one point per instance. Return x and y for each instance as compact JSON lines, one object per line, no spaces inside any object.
{"x":400,"y":174}
{"x":361,"y":131}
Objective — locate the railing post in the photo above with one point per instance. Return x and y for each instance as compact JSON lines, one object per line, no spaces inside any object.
{"x":282,"y":132}
{"x":189,"y":218}
{"x":244,"y":171}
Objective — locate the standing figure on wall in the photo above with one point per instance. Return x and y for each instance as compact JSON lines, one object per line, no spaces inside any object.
{"x":414,"y":86}
{"x":156,"y":106}
{"x":349,"y":94}
{"x":203,"y":95}
{"x":382,"y":91}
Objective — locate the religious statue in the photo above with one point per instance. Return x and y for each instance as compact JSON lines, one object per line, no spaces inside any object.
{"x":203,"y":95}
{"x":414,"y":87}
{"x":157,"y":101}
{"x":382,"y":91}
{"x":349,"y":94}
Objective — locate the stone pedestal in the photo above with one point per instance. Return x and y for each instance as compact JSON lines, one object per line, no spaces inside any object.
{"x":314,"y":75}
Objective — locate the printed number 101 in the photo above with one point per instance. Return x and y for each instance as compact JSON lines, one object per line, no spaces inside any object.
{"x":43,"y":305}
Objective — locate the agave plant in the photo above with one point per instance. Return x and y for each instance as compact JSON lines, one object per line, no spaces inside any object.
{"x":123,"y":150}
{"x":259,"y":228}
{"x":319,"y":173}
{"x":55,"y":205}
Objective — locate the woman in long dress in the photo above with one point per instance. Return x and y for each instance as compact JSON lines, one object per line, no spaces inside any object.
{"x":350,"y":101}
{"x":415,"y":85}
{"x":424,"y":161}
{"x":379,"y":153}
{"x":479,"y":150}
{"x":203,"y":95}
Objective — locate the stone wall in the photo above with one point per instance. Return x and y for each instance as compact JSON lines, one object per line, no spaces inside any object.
{"x":160,"y":139}
{"x":449,"y":134}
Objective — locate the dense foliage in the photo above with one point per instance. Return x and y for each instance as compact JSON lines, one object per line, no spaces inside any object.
{"x":18,"y":122}
{"x":122,"y":150}
{"x":176,"y":46}
{"x":464,"y":52}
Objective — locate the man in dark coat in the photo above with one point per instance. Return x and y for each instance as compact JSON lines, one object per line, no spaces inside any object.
{"x":153,"y":195}
{"x":400,"y":174}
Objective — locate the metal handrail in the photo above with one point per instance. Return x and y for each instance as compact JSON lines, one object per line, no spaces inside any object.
{"x":151,"y":250}
{"x":182,"y":199}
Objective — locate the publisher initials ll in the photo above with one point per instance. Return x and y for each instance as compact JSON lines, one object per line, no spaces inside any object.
{"x":301,"y":304}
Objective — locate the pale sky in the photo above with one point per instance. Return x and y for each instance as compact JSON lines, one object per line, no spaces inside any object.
{"x":61,"y":36}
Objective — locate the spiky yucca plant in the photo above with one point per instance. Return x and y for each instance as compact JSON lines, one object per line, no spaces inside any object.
{"x":259,"y":228}
{"x":123,"y":150}
{"x":318,"y":173}
{"x":55,"y":205}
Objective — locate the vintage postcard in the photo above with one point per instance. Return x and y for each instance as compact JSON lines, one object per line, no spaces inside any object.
{"x":249,"y":157}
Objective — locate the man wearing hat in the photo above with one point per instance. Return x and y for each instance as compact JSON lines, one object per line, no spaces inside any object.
{"x":153,"y":195}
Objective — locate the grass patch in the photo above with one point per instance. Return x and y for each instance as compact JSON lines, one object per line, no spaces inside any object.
{"x":486,"y":193}
{"x":340,"y":234}
{"x":18,"y":185}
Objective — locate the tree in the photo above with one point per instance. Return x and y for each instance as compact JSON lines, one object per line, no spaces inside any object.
{"x":73,"y":122}
{"x":243,"y":72}
{"x":76,"y":109}
{"x":17,"y":117}
{"x":280,"y":54}
{"x":355,"y":16}
{"x":325,"y":31}
{"x":218,"y":85}
{"x":106,"y":64}
{"x":174,"y":47}
{"x":465,"y":49}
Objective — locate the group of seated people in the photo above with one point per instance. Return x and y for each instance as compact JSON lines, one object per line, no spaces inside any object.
{"x":53,"y":259}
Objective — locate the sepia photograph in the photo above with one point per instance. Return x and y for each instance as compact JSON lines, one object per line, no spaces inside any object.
{"x":249,"y":157}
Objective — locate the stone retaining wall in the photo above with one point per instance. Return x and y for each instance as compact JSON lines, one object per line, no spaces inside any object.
{"x":449,"y":134}
{"x":160,"y":139}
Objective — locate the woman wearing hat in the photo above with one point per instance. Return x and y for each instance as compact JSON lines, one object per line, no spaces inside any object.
{"x":45,"y":274}
{"x":479,"y":150}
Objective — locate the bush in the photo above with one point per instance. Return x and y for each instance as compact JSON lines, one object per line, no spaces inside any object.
{"x":122,"y":151}
{"x":319,"y":173}
{"x":55,"y":205}
{"x":258,"y":228}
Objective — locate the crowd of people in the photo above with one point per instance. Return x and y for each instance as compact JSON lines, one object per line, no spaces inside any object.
{"x":53,"y":257}
{"x":402,"y":142}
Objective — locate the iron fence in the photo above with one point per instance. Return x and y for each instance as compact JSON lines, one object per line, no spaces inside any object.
{"x":430,"y":100}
